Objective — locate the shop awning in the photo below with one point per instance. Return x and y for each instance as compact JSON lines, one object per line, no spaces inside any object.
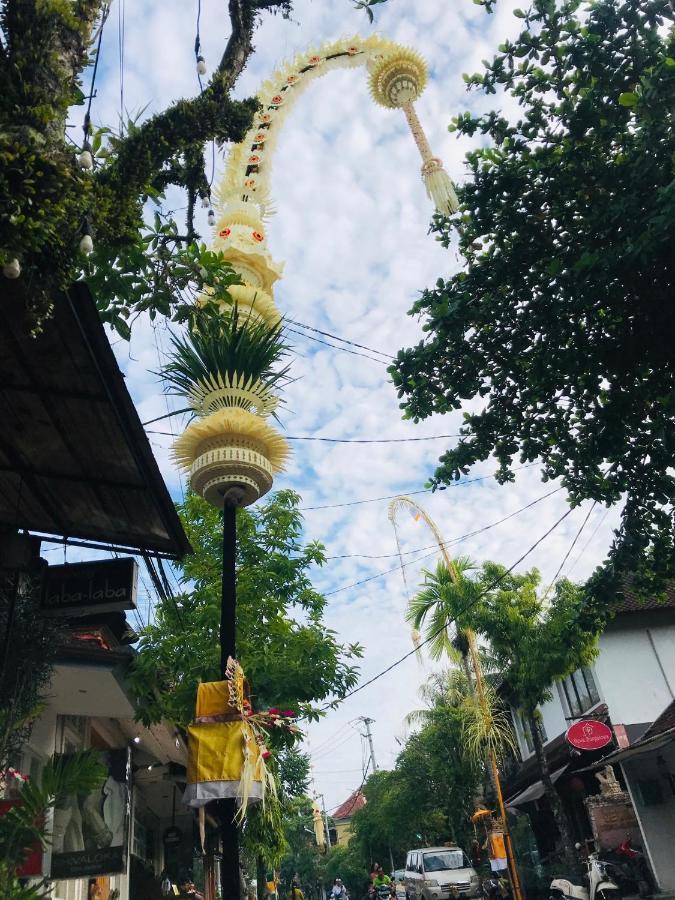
{"x":647,"y":745}
{"x":74,"y":459}
{"x":534,"y":791}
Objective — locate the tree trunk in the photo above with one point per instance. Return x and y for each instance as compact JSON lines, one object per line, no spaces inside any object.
{"x":562,"y":821}
{"x":261,"y":877}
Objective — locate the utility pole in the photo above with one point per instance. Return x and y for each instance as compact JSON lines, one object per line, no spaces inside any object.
{"x":367,"y":723}
{"x":325,"y":818}
{"x":229,"y":836}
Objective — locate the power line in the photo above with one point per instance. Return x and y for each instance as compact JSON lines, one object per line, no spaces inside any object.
{"x":331,"y":748}
{"x":355,"y":794}
{"x":585,"y":547}
{"x":448,"y":622}
{"x":326,"y":741}
{"x":408,"y":493}
{"x":121,"y":24}
{"x":435,"y":550}
{"x":457,"y":540}
{"x":87,"y":116}
{"x":289,"y":437}
{"x":338,"y":338}
{"x":571,"y":547}
{"x":311,"y":337}
{"x":405,"y":440}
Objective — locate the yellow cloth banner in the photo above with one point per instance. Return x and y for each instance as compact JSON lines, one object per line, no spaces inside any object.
{"x":213,"y":699}
{"x":497,"y":846}
{"x":216,"y":752}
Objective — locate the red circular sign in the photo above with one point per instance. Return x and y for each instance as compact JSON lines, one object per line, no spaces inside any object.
{"x":589,"y":734}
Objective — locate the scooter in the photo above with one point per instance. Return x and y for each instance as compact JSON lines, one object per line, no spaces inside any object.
{"x":495,"y":888}
{"x":601,"y":886}
{"x":631,"y":868}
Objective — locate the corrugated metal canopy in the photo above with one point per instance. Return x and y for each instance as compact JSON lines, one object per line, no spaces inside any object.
{"x":74,"y":459}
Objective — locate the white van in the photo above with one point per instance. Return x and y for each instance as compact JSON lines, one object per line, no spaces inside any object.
{"x":437,"y":873}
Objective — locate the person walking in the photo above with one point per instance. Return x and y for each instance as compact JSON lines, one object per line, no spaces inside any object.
{"x":295,"y":893}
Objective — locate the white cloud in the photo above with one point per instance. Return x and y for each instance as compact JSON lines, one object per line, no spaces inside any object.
{"x":352,"y":226}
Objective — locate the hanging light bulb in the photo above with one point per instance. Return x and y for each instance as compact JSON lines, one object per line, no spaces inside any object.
{"x":211,"y":218}
{"x":205,"y":201}
{"x":85,"y":159}
{"x":201,"y":65}
{"x":12,"y":269}
{"x":86,"y":244}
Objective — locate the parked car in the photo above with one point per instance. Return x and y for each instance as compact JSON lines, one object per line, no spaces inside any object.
{"x":438,"y":873}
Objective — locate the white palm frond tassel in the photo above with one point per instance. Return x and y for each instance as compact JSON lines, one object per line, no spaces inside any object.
{"x":397,"y":79}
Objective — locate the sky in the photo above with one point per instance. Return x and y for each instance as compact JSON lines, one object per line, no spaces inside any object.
{"x":352,"y":227}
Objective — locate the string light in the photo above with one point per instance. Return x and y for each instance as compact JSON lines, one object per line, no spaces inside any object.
{"x":206,"y":202}
{"x":211,"y":218}
{"x":201,"y":65}
{"x":85,"y":159}
{"x":12,"y":269}
{"x":86,"y":244}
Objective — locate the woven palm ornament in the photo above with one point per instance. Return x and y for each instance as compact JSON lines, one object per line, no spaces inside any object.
{"x":230,"y":447}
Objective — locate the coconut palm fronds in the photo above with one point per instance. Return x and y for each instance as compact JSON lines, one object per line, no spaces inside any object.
{"x":433,"y":609}
{"x":485,"y":725}
{"x":231,"y":346}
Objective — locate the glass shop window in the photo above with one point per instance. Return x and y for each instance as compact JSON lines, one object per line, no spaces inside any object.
{"x":581,"y":692}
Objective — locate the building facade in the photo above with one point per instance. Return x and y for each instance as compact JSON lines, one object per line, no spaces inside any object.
{"x":628,"y":687}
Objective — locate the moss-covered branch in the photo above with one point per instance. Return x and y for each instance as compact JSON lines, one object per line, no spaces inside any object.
{"x":47,"y":201}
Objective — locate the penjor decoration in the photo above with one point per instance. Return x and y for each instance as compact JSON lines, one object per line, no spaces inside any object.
{"x":230,"y":450}
{"x":230,"y":369}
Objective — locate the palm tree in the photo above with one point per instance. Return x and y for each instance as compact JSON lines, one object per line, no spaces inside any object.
{"x":486,"y":727}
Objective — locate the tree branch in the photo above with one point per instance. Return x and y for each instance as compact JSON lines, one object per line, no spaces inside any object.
{"x":188,"y":123}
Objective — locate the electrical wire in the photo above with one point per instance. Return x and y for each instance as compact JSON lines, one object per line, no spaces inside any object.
{"x":311,"y":337}
{"x":571,"y":547}
{"x":331,"y":749}
{"x":355,"y":794}
{"x":408,"y":493}
{"x":121,"y":25}
{"x":87,"y":116}
{"x":405,"y":440}
{"x":446,"y":624}
{"x":326,"y":741}
{"x":597,"y":528}
{"x":338,"y":338}
{"x":457,"y":540}
{"x":288,"y":437}
{"x":402,"y":566}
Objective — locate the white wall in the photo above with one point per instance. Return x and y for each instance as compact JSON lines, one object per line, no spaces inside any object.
{"x":630,"y":678}
{"x":635,"y":684}
{"x":657,"y":822}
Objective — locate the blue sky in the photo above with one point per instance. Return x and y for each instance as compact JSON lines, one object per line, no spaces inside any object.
{"x":352,"y":227}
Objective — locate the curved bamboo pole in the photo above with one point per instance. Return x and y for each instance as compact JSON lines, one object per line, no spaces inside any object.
{"x":399,"y":503}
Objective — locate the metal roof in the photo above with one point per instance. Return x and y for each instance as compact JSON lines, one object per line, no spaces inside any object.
{"x":74,"y":459}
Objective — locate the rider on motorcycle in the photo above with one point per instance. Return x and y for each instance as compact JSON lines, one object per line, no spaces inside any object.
{"x":381,"y":884}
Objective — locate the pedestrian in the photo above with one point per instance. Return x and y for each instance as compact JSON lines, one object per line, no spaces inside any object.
{"x":339,"y":890}
{"x":295,"y":893}
{"x":188,"y":891}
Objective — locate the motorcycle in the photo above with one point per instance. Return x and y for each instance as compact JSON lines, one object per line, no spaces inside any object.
{"x":380,"y":892}
{"x":601,"y":885}
{"x":495,"y":888}
{"x":631,"y":869}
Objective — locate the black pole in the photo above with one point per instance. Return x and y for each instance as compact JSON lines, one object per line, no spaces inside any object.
{"x":229,"y":867}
